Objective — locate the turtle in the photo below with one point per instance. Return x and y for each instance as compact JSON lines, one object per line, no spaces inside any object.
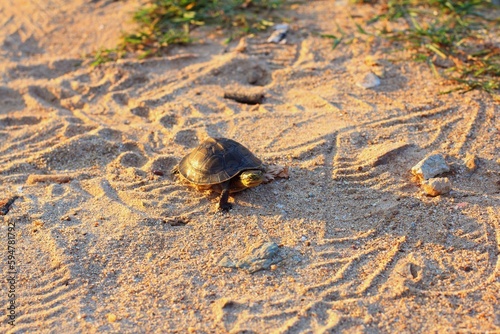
{"x":222,"y":165}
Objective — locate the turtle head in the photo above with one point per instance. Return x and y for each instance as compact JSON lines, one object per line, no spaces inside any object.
{"x":252,"y":178}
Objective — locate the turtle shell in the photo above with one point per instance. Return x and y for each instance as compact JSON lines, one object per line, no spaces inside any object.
{"x":217,"y":160}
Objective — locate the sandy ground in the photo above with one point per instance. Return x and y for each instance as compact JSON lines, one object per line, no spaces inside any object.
{"x":107,"y":240}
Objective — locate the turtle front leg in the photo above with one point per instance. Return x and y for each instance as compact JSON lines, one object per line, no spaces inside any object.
{"x":224,"y":205}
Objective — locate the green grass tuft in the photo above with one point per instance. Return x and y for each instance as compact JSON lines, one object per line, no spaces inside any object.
{"x":106,"y":55}
{"x":455,"y":31}
{"x":167,"y":22}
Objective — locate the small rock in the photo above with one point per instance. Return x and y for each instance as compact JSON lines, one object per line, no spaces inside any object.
{"x":257,"y":258}
{"x":257,"y":74}
{"x":244,"y":95}
{"x":470,"y":162}
{"x":442,"y":62}
{"x":369,"y":81}
{"x":413,"y":270}
{"x":242,"y":45}
{"x":436,"y":186}
{"x":111,"y":317}
{"x":66,"y":218}
{"x":157,"y":172}
{"x":430,"y":166}
{"x":253,"y":77}
{"x":279,"y":34}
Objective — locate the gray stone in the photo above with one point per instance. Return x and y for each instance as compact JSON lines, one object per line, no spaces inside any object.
{"x":430,"y":166}
{"x":257,"y":258}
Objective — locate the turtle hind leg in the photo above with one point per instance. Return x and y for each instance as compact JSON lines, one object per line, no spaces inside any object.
{"x":224,"y":205}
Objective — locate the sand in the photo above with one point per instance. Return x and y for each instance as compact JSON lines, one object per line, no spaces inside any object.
{"x":107,"y":240}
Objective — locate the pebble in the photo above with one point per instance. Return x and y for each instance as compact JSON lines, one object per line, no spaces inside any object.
{"x":442,"y":62}
{"x":279,"y":34}
{"x":413,"y":270}
{"x":111,"y":317}
{"x":242,"y":45}
{"x":369,"y":81}
{"x":470,"y":162}
{"x":436,"y":186}
{"x":430,"y":166}
{"x":244,"y":95}
{"x":259,"y":257}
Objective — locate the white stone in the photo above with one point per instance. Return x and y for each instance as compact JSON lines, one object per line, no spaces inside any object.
{"x":369,"y":81}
